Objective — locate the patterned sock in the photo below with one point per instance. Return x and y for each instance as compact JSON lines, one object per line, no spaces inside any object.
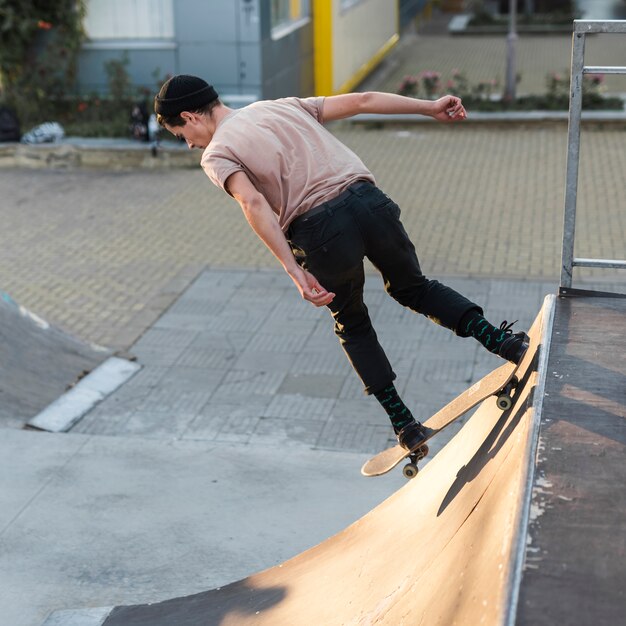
{"x":397,"y":411}
{"x":473,"y":324}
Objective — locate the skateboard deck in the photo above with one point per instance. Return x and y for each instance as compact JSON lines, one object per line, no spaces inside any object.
{"x":500,"y":383}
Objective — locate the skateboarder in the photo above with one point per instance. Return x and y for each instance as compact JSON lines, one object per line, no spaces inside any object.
{"x":316,"y":206}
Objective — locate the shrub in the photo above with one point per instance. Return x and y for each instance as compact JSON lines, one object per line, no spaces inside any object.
{"x":482,"y":96}
{"x":39,"y":46}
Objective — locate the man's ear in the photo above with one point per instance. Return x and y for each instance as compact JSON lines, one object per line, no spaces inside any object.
{"x":187,"y":116}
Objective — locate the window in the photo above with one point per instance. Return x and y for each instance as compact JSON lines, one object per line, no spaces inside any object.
{"x":288,"y":15}
{"x":130,"y":19}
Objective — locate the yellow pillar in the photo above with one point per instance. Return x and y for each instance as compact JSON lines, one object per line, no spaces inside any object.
{"x":323,"y":46}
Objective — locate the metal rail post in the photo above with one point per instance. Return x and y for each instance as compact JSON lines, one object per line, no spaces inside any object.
{"x":581,"y":29}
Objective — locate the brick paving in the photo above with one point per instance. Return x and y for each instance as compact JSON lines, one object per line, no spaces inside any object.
{"x":102,"y":253}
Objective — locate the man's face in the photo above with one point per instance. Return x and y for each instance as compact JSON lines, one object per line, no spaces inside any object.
{"x":195,"y":132}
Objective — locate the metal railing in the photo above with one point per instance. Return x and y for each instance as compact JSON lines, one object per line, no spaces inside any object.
{"x":581,"y":29}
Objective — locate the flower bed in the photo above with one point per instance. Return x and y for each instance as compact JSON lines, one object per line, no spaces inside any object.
{"x":484,"y":95}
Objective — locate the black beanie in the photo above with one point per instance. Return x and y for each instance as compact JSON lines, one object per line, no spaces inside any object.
{"x":183,"y":93}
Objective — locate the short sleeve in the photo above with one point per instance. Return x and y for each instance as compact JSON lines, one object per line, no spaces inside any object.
{"x":313,"y":106}
{"x":218,"y":167}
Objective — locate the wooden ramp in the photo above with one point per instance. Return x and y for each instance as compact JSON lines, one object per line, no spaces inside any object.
{"x":575,"y":567}
{"x":439,"y":551}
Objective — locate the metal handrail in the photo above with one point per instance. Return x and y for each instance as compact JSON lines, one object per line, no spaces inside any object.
{"x":581,"y":29}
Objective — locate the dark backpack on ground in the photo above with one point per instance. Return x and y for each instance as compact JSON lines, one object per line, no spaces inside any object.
{"x":9,"y":125}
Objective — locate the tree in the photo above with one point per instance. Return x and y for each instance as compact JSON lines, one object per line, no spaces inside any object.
{"x":39,"y":45}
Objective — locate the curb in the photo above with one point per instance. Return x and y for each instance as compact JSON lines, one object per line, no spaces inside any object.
{"x":513,"y":117}
{"x":124,"y":154}
{"x":74,"y":404}
{"x":114,"y":154}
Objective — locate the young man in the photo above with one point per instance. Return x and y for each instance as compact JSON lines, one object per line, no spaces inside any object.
{"x":316,"y":207}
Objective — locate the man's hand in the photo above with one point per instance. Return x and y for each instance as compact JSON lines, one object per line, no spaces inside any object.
{"x":448,"y":109}
{"x":309,"y":287}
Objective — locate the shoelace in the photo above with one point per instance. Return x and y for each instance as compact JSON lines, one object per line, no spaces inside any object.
{"x":507,"y":328}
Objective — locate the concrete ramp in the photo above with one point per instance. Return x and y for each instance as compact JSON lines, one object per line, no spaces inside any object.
{"x":444,"y":549}
{"x":45,"y":374}
{"x":37,"y":363}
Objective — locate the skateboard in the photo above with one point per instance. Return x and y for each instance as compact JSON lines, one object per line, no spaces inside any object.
{"x":501,"y":383}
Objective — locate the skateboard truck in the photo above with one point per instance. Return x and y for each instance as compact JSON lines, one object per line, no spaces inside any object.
{"x":504,"y":402}
{"x":504,"y":399}
{"x":410,"y":469}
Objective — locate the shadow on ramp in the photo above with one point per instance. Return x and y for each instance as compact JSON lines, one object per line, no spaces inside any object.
{"x":441,"y":550}
{"x":502,"y":431}
{"x":234,"y":604}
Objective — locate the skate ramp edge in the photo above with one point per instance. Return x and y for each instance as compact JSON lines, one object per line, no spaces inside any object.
{"x":446,"y":548}
{"x":49,"y":379}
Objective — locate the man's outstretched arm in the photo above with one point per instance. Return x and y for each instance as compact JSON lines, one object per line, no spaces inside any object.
{"x":264,"y":223}
{"x":445,"y":109}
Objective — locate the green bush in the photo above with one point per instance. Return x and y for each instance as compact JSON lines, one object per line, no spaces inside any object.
{"x":39,"y":46}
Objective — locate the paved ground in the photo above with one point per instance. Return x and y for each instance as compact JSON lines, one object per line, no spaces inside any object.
{"x":240,"y":358}
{"x":100,"y":253}
{"x":97,"y":521}
{"x":33,"y":351}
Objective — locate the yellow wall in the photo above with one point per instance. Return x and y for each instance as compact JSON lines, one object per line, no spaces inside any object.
{"x":350,"y":43}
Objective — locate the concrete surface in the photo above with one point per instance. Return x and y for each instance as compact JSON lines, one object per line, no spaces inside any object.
{"x":238,"y":375}
{"x":483,"y":58}
{"x":98,"y":521}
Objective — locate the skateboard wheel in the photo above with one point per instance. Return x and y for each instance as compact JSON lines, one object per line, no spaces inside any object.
{"x":410,"y":470}
{"x":504,"y":402}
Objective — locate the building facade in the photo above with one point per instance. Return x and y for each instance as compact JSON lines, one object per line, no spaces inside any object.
{"x":248,"y":49}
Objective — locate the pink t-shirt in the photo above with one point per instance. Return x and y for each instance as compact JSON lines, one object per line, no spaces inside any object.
{"x":286,"y":153}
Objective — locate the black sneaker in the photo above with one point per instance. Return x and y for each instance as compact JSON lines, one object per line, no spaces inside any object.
{"x":412,"y":436}
{"x":515,"y":345}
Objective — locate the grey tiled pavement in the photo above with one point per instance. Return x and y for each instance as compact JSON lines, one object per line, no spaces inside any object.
{"x":240,"y":358}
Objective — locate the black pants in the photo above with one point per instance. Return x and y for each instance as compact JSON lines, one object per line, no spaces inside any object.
{"x":331,"y":241}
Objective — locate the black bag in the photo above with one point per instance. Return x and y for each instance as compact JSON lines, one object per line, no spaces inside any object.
{"x":9,"y":125}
